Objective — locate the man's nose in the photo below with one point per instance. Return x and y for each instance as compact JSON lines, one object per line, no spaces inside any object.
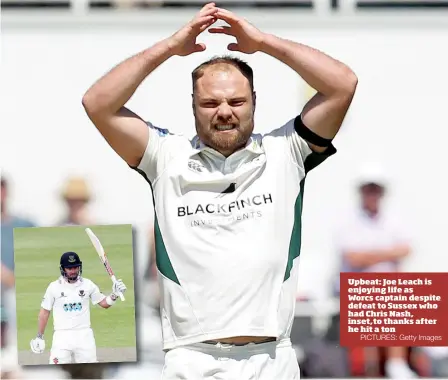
{"x":224,"y":111}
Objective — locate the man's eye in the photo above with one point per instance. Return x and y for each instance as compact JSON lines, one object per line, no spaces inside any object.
{"x":210,"y":104}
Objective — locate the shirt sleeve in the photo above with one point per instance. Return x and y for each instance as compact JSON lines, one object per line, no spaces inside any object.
{"x":48,"y":300}
{"x":161,"y":147}
{"x":96,"y":296}
{"x":302,"y":155}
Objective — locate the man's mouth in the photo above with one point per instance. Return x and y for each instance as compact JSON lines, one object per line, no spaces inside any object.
{"x":225,"y":127}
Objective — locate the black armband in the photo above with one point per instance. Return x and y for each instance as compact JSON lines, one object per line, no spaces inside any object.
{"x":307,"y":134}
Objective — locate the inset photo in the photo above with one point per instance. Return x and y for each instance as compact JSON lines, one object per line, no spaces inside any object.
{"x":75,"y":294}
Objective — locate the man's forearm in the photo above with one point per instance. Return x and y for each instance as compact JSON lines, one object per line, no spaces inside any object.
{"x":323,"y":73}
{"x":42,"y":321}
{"x":114,"y":89}
{"x":108,"y":301}
{"x":369,"y":258}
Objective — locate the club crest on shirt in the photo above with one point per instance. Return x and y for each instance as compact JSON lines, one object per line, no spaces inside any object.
{"x":195,"y":166}
{"x":81,"y":293}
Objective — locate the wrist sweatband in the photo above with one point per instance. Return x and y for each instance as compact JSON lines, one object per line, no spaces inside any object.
{"x":111,"y":299}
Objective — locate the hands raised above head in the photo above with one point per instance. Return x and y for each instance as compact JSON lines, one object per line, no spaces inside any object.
{"x":248,"y":37}
{"x":183,"y":42}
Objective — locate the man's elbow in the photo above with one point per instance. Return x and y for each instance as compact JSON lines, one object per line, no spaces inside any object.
{"x":95,"y":105}
{"x":44,"y":313}
{"x":355,"y":260}
{"x":348,"y":83}
{"x":403,"y":251}
{"x":90,"y":104}
{"x":406,"y":251}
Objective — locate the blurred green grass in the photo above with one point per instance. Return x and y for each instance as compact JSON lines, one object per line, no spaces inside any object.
{"x":37,"y":254}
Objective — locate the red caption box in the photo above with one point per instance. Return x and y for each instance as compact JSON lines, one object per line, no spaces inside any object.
{"x":394,"y":309}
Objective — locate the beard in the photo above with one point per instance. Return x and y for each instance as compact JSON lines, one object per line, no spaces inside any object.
{"x":225,"y":142}
{"x":72,"y":277}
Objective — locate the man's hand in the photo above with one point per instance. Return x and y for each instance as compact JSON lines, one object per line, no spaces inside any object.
{"x":248,"y":37}
{"x":183,"y":42}
{"x":118,"y":287}
{"x":37,"y":345}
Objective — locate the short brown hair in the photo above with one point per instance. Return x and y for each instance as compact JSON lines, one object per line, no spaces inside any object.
{"x":241,"y":65}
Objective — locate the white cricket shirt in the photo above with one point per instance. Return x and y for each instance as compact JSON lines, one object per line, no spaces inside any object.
{"x":227,"y":233}
{"x":360,"y":232}
{"x":70,"y":302}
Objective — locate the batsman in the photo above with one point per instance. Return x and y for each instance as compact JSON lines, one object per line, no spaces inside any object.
{"x":69,"y":297}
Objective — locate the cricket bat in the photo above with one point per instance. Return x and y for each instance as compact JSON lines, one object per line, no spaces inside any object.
{"x":103,"y":257}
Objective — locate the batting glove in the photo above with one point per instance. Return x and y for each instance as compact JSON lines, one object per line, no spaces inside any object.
{"x":118,"y":287}
{"x":37,"y":345}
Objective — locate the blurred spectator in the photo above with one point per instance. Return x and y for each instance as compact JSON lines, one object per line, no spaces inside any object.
{"x":9,"y":369}
{"x":76,"y":195}
{"x":438,"y":357}
{"x":371,"y":240}
{"x":7,"y":281}
{"x":9,"y":221}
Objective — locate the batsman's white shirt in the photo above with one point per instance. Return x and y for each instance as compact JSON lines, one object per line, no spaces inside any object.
{"x":228,"y":233}
{"x":70,"y":302}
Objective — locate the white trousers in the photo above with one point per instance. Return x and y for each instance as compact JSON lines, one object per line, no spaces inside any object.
{"x":73,"y":346}
{"x":201,"y":361}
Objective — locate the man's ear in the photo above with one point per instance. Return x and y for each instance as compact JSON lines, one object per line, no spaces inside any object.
{"x":192,"y":104}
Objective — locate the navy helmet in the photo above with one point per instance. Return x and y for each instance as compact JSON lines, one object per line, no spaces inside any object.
{"x":70,"y":260}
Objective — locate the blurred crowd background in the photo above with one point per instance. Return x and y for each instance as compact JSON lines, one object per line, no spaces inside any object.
{"x":379,"y":205}
{"x":120,"y":4}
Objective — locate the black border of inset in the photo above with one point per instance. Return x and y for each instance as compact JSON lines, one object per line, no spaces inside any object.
{"x":5,"y":4}
{"x":305,"y":4}
{"x":401,"y":4}
{"x":35,"y":5}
